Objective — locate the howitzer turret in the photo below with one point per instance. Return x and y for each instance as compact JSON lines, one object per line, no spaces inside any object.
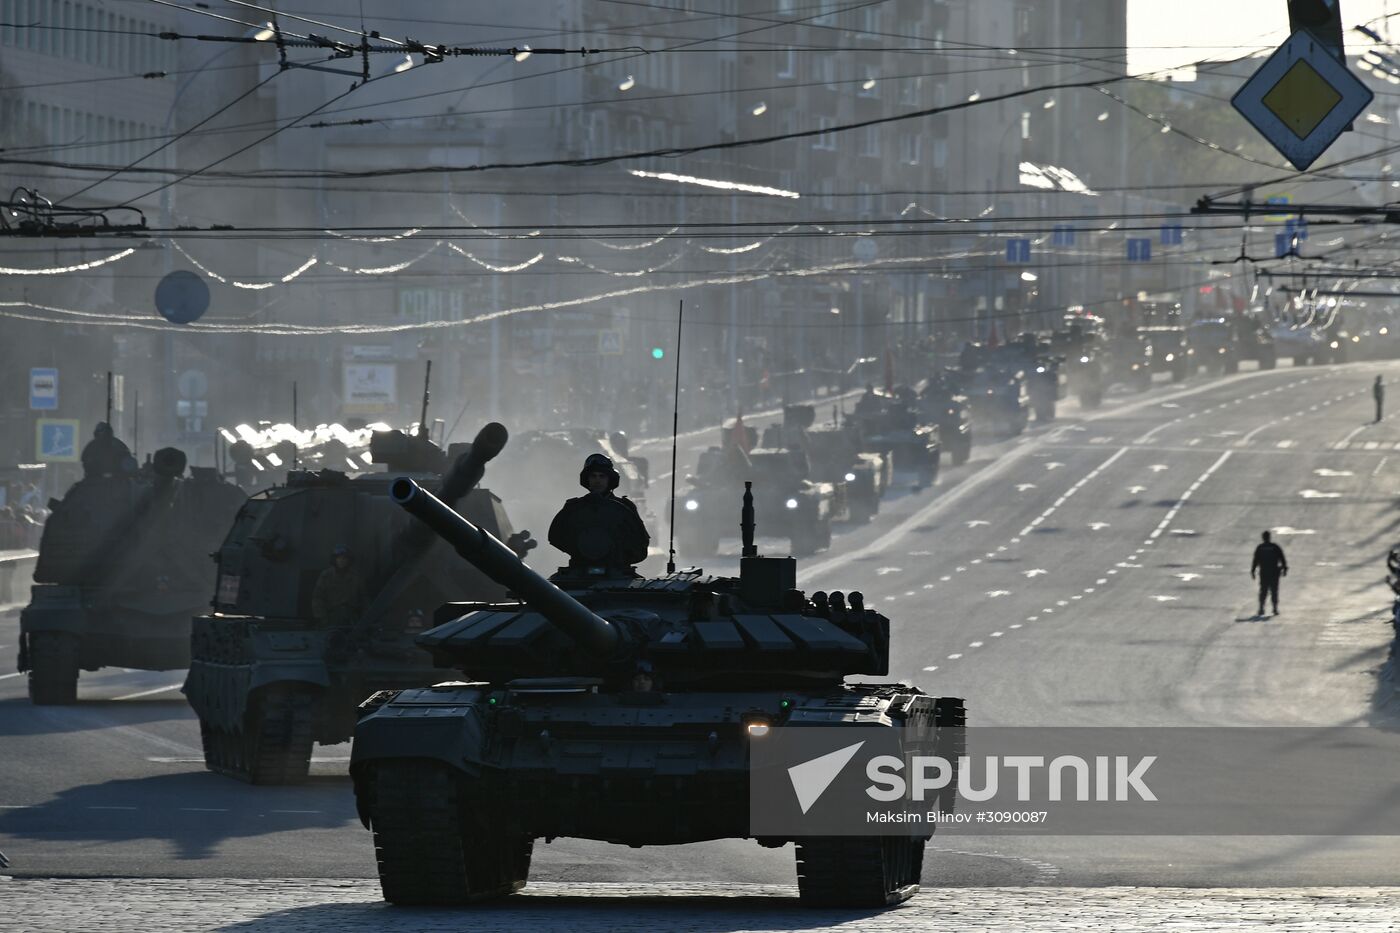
{"x":295,"y":643}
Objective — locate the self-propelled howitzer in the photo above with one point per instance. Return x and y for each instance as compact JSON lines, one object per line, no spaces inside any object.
{"x":621,"y":709}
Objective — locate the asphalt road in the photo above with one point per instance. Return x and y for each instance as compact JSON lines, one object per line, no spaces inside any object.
{"x":1090,"y":573}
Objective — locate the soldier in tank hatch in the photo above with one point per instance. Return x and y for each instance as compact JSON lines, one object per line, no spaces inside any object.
{"x":600,"y":531}
{"x":339,"y":596}
{"x":105,"y":453}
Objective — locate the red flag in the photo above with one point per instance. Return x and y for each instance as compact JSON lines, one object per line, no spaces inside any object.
{"x":739,"y":435}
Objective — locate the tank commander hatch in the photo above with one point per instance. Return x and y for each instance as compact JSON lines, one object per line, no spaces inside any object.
{"x":601,"y":532}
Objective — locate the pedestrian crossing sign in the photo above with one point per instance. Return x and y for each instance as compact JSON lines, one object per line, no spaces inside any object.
{"x":56,"y":440}
{"x":1302,"y":98}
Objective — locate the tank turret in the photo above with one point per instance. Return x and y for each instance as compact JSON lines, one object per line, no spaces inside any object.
{"x":692,"y":628}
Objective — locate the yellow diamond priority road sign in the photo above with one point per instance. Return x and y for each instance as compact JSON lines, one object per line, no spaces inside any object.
{"x":1302,"y":99}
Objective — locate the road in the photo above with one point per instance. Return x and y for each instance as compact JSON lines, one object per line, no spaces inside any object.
{"x":1090,"y":573}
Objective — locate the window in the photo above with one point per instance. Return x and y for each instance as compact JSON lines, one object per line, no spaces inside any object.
{"x":940,"y":153}
{"x":825,"y":140}
{"x":7,"y":15}
{"x":870,"y":141}
{"x":909,"y":146}
{"x":787,"y":63}
{"x":911,"y":91}
{"x":65,"y":20}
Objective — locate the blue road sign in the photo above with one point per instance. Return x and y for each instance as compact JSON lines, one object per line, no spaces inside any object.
{"x":1171,"y":235}
{"x":1018,"y":250}
{"x":182,"y":297}
{"x":56,"y":439}
{"x":1284,"y":245}
{"x":43,"y":389}
{"x":1064,"y":235}
{"x":1139,"y":249}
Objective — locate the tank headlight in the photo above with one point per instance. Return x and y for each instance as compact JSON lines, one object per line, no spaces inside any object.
{"x":1335,"y":345}
{"x":691,"y":505}
{"x":850,"y":477}
{"x":1170,"y":357}
{"x":1221,"y":350}
{"x":1384,"y":331}
{"x":791,"y":503}
{"x":758,"y":730}
{"x":1356,"y":340}
{"x":1083,"y":359}
{"x":1040,"y":369}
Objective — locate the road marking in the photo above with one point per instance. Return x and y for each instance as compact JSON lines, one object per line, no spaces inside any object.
{"x":8,"y":676}
{"x":975,"y":644}
{"x":1284,"y":445}
{"x":931,"y":669}
{"x":996,"y":594}
{"x":1165,"y":599}
{"x":1318,"y":494}
{"x":110,"y":808}
{"x":1037,"y":572}
{"x":153,"y":692}
{"x":205,"y":809}
{"x":998,"y":634}
{"x":954,"y":657}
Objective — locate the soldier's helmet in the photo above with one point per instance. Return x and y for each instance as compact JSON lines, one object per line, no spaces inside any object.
{"x":598,"y":463}
{"x":340,"y":550}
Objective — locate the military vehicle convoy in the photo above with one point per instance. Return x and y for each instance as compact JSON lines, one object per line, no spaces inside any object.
{"x":284,"y":658}
{"x":1167,"y":349}
{"x":1213,"y":346}
{"x":943,"y":403}
{"x":802,"y":510}
{"x":124,"y":562}
{"x":623,"y":710}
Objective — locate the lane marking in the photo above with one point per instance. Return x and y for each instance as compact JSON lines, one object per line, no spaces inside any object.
{"x":152,"y":692}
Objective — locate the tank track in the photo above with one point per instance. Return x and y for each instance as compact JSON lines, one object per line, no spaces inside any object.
{"x":274,"y":745}
{"x":431,"y":851}
{"x":858,"y":871}
{"x":876,"y":871}
{"x":53,"y":668}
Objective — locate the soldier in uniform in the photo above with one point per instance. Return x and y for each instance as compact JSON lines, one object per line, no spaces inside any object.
{"x":339,"y":596}
{"x":600,"y":531}
{"x":105,"y":453}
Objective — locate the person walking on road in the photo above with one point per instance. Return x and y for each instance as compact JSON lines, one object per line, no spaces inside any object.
{"x":1378,"y":390}
{"x":1269,"y":565}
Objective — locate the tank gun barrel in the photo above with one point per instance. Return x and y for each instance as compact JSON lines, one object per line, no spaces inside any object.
{"x":592,"y":633}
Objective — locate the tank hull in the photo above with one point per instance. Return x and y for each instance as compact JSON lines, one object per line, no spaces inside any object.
{"x":563,"y":759}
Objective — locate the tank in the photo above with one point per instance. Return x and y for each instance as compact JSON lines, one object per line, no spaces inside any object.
{"x":996,"y":395}
{"x":124,"y":562}
{"x":1213,"y":346}
{"x":890,"y":424}
{"x":268,"y":678}
{"x":834,"y":456}
{"x":802,"y":510}
{"x":621,"y":710}
{"x":943,"y":402}
{"x":1168,"y":350}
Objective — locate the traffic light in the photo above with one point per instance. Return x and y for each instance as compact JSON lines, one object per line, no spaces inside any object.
{"x":1323,"y":18}
{"x":658,"y":353}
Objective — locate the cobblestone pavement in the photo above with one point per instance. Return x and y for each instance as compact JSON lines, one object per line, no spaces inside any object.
{"x":246,"y":906}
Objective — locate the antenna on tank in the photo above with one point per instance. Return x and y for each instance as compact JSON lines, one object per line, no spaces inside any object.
{"x":675,"y":430}
{"x":423,"y":416}
{"x":746,"y":523}
{"x":108,"y":419}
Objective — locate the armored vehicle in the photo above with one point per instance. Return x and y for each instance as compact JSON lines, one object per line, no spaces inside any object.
{"x":802,"y":510}
{"x":943,"y":402}
{"x":1213,"y":346}
{"x":1080,"y":345}
{"x":834,"y":456}
{"x":294,"y":644}
{"x":1168,"y":350}
{"x":891,"y":424}
{"x":124,"y":562}
{"x":997,"y":398}
{"x":623,"y":710}
{"x":1130,"y":361}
